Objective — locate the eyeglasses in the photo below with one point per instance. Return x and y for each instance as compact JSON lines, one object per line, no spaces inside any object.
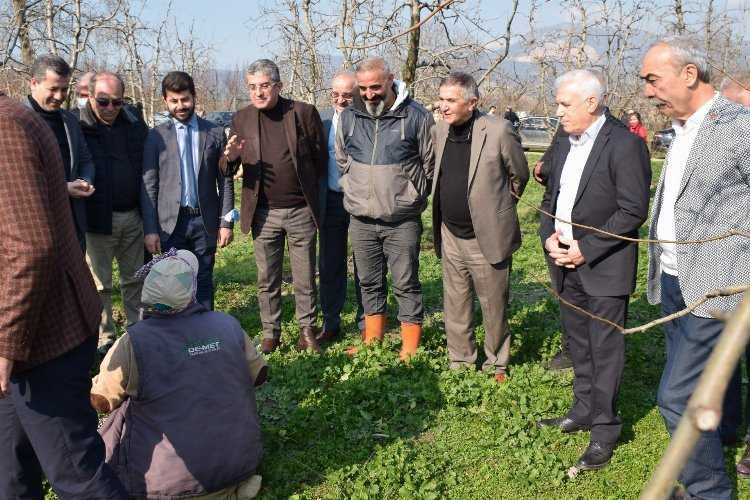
{"x":106,"y":101}
{"x":344,"y":95}
{"x":261,"y":86}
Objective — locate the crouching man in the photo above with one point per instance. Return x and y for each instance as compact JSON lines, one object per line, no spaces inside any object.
{"x":179,"y":383}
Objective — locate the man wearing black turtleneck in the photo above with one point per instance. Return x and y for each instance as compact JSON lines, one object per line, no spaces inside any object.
{"x":283,"y":152}
{"x":479,"y":162}
{"x":50,"y":76}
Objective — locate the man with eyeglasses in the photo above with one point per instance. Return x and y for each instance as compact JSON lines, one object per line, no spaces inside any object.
{"x":50,"y":77}
{"x":115,"y":228}
{"x":282,"y":150}
{"x":334,"y":223}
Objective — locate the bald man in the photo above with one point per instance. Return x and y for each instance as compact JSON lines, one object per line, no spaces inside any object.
{"x":334,"y":222}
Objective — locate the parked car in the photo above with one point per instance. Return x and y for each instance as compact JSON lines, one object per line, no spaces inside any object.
{"x":662,"y":140}
{"x":537,"y":131}
{"x":222,"y":119}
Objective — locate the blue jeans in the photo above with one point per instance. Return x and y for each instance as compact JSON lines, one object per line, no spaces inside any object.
{"x":689,"y":341}
{"x":190,"y":234}
{"x":47,"y":425}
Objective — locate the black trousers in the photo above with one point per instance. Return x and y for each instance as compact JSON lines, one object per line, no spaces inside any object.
{"x":47,"y":426}
{"x":598,"y":354}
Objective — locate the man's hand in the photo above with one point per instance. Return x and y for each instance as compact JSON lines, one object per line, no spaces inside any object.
{"x":552,"y":245}
{"x":574,"y":257}
{"x":538,"y":172}
{"x":153,"y":243}
{"x":226,"y":236}
{"x":233,"y":148}
{"x":80,"y":189}
{"x":6,"y":368}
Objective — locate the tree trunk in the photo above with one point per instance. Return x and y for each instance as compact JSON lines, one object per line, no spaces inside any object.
{"x":409,"y":70}
{"x":19,"y":14}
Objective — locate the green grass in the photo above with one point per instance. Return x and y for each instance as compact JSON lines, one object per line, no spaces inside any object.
{"x":371,"y":427}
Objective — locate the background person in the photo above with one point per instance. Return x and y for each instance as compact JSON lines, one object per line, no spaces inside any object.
{"x":636,"y":126}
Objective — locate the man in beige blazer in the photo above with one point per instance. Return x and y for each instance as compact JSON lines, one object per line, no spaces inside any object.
{"x":479,"y":162}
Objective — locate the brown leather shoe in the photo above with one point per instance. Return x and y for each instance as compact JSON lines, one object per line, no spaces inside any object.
{"x":329,"y":336}
{"x":743,"y":466}
{"x":307,"y":341}
{"x":267,"y":346}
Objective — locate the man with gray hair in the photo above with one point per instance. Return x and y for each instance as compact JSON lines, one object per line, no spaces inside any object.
{"x":479,"y":164}
{"x":281,"y":147}
{"x":384,"y":153}
{"x":115,"y":227}
{"x":703,"y":192}
{"x":334,"y":222}
{"x":50,"y":77}
{"x":600,"y":177}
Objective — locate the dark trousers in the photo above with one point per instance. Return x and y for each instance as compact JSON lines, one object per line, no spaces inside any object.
{"x":47,"y":426}
{"x":689,"y":341}
{"x":271,"y":228}
{"x":732,"y":413}
{"x":190,"y":234}
{"x":381,"y":246}
{"x":332,"y":264}
{"x":598,"y":354}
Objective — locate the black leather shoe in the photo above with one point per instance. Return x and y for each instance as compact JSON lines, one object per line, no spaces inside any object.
{"x":565,"y":424}
{"x":329,"y":336}
{"x":596,"y":456}
{"x":560,"y":362}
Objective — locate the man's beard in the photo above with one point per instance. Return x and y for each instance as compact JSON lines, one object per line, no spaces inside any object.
{"x":375,"y":108}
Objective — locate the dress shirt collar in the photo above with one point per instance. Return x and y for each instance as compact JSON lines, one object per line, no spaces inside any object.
{"x":193,"y":122}
{"x":695,"y":120}
{"x":590,"y":133}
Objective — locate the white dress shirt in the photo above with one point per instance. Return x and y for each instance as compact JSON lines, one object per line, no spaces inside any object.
{"x":333,"y":168}
{"x":674,"y":166}
{"x":570,"y":178}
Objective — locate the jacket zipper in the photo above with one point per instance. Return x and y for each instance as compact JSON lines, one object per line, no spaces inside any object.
{"x":372,"y":164}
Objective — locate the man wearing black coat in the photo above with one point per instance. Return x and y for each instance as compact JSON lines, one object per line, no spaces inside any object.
{"x":115,"y":228}
{"x":600,"y":177}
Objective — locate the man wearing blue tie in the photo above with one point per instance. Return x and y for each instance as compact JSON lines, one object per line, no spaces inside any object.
{"x":185,"y":197}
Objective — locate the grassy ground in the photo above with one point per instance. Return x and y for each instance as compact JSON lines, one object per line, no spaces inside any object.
{"x":371,"y":427}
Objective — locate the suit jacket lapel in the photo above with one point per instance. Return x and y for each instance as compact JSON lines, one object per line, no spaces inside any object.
{"x":702,"y":143}
{"x":479,"y":134}
{"x":202,"y":132}
{"x":558,"y":162}
{"x":593,"y":160}
{"x":173,"y":149}
{"x":441,"y":135}
{"x":290,"y":127}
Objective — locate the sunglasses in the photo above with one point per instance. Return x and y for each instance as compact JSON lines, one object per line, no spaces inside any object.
{"x":106,"y":101}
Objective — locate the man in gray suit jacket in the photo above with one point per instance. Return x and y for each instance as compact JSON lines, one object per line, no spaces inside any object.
{"x":49,"y":89}
{"x":479,"y":162}
{"x":186,"y":201}
{"x":703,"y":192}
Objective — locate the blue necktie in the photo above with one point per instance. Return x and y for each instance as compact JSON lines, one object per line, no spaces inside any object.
{"x":191,"y":193}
